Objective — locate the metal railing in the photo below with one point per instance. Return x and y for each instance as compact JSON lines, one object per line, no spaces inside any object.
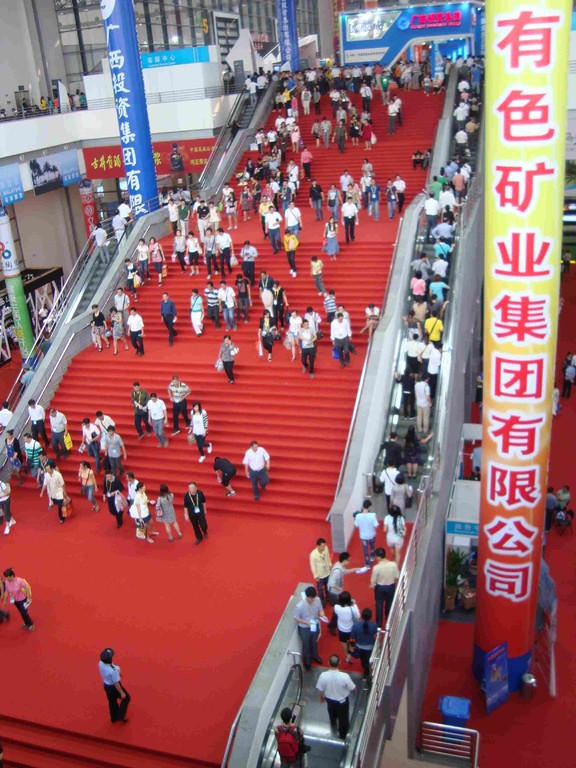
{"x":232,"y":737}
{"x":460,"y":746}
{"x":216,"y":154}
{"x":168,"y":97}
{"x":364,"y":370}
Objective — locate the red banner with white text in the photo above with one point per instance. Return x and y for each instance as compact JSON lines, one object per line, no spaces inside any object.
{"x":187,"y":156}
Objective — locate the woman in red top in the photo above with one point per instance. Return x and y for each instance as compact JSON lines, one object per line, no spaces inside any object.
{"x":367,"y":135}
{"x":20,"y":593}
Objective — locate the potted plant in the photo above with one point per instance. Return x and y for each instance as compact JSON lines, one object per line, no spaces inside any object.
{"x":454,"y":564}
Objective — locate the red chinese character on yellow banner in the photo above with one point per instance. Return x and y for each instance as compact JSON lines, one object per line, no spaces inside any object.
{"x":515,"y":434}
{"x":521,"y":317}
{"x":513,"y":488}
{"x":522,"y":255}
{"x":511,"y":581}
{"x":515,"y":185}
{"x":510,"y":536}
{"x":518,"y":377}
{"x":529,"y":37}
{"x":525,"y":116}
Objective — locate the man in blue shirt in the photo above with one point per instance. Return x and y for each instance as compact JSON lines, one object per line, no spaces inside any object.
{"x":367,"y":525}
{"x":374,"y":200}
{"x":169,"y":316}
{"x":113,"y":688}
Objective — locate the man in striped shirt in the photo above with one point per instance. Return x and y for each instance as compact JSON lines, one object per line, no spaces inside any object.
{"x":33,"y":449}
{"x":330,"y":306}
{"x":212,"y":303}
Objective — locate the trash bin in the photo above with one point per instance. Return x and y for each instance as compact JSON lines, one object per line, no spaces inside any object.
{"x":527,"y":685}
{"x":454,"y":710}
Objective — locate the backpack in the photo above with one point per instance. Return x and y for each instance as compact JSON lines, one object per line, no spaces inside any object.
{"x":288,"y":744}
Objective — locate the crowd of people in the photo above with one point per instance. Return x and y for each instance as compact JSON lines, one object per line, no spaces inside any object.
{"x":271,"y":187}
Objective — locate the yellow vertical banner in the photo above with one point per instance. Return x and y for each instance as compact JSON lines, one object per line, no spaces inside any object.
{"x":525,"y":114}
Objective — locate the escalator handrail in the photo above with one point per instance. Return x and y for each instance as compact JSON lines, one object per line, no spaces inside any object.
{"x":234,"y":113}
{"x":270,"y":729}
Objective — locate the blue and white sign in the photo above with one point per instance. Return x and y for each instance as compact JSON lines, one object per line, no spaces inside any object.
{"x":496,"y":684}
{"x":131,"y":111}
{"x":11,"y":189}
{"x":199,"y":55}
{"x":288,"y":33}
{"x":50,"y":172}
{"x":380,"y":36}
{"x":462,"y":528}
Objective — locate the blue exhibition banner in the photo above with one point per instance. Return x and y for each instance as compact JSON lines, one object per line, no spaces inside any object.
{"x":199,"y":55}
{"x":130,"y":98}
{"x":51,"y":172}
{"x":496,"y":677}
{"x":381,"y":35}
{"x":11,"y":189}
{"x":288,"y":33}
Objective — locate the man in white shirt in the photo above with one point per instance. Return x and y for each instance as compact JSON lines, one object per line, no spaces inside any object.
{"x":159,"y":417}
{"x":122,"y":303}
{"x":293,"y":219}
{"x":227,"y":300}
{"x":433,"y":368}
{"x":272,"y":224}
{"x":91,"y":436}
{"x":423,"y":405}
{"x":367,"y":525}
{"x":5,"y":416}
{"x":447,"y":198}
{"x":349,"y":218}
{"x":261,"y":84}
{"x":100,"y":236}
{"x":257,"y":465}
{"x":136,"y":327}
{"x":272,"y":136}
{"x":118,"y":225}
{"x":340,"y":335}
{"x":6,"y":514}
{"x":461,"y":115}
{"x":431,"y":209}
{"x":440,"y":267}
{"x":224,"y":249}
{"x":252,"y":88}
{"x":392,"y":115}
{"x":37,"y":415}
{"x":345,"y":179}
{"x":400,"y":186}
{"x":58,"y":428}
{"x":248,"y":255}
{"x":125,"y":211}
{"x":388,"y":479}
{"x":335,"y":688}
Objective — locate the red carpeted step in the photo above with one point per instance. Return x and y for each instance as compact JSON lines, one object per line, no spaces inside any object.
{"x":203,"y":613}
{"x":33,"y":746}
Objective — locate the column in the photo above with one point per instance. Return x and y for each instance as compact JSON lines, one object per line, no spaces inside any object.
{"x":131,"y":111}
{"x":288,"y":33}
{"x":15,"y":287}
{"x":526,"y":87}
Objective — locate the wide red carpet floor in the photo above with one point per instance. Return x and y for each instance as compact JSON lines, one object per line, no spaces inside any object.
{"x":190,"y":624}
{"x":534,"y":733}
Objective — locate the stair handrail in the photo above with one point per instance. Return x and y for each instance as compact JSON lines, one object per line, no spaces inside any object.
{"x":214,"y":155}
{"x":232,"y":737}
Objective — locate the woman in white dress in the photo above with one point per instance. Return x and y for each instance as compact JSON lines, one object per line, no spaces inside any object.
{"x":395,"y":530}
{"x":347,"y":612}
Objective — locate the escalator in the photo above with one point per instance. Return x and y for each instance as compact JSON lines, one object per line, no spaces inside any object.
{"x":300,"y":695}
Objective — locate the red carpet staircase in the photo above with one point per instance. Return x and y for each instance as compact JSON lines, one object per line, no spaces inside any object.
{"x":303,"y":423}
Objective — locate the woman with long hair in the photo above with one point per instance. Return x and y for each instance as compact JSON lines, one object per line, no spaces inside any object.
{"x":266,"y":332}
{"x":118,"y":329}
{"x":143,"y":256}
{"x":364,"y":632}
{"x":88,"y":484}
{"x":395,"y":530}
{"x":400,"y":492}
{"x":231,"y":210}
{"x":347,"y":612}
{"x":199,"y":429}
{"x":157,"y":257}
{"x":180,"y":249}
{"x":194,"y":248}
{"x":412,"y":445}
{"x":140,"y":513}
{"x":165,"y":512}
{"x":331,"y":246}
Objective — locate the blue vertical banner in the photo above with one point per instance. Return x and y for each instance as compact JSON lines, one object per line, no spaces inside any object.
{"x":131,"y":111}
{"x":288,"y":33}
